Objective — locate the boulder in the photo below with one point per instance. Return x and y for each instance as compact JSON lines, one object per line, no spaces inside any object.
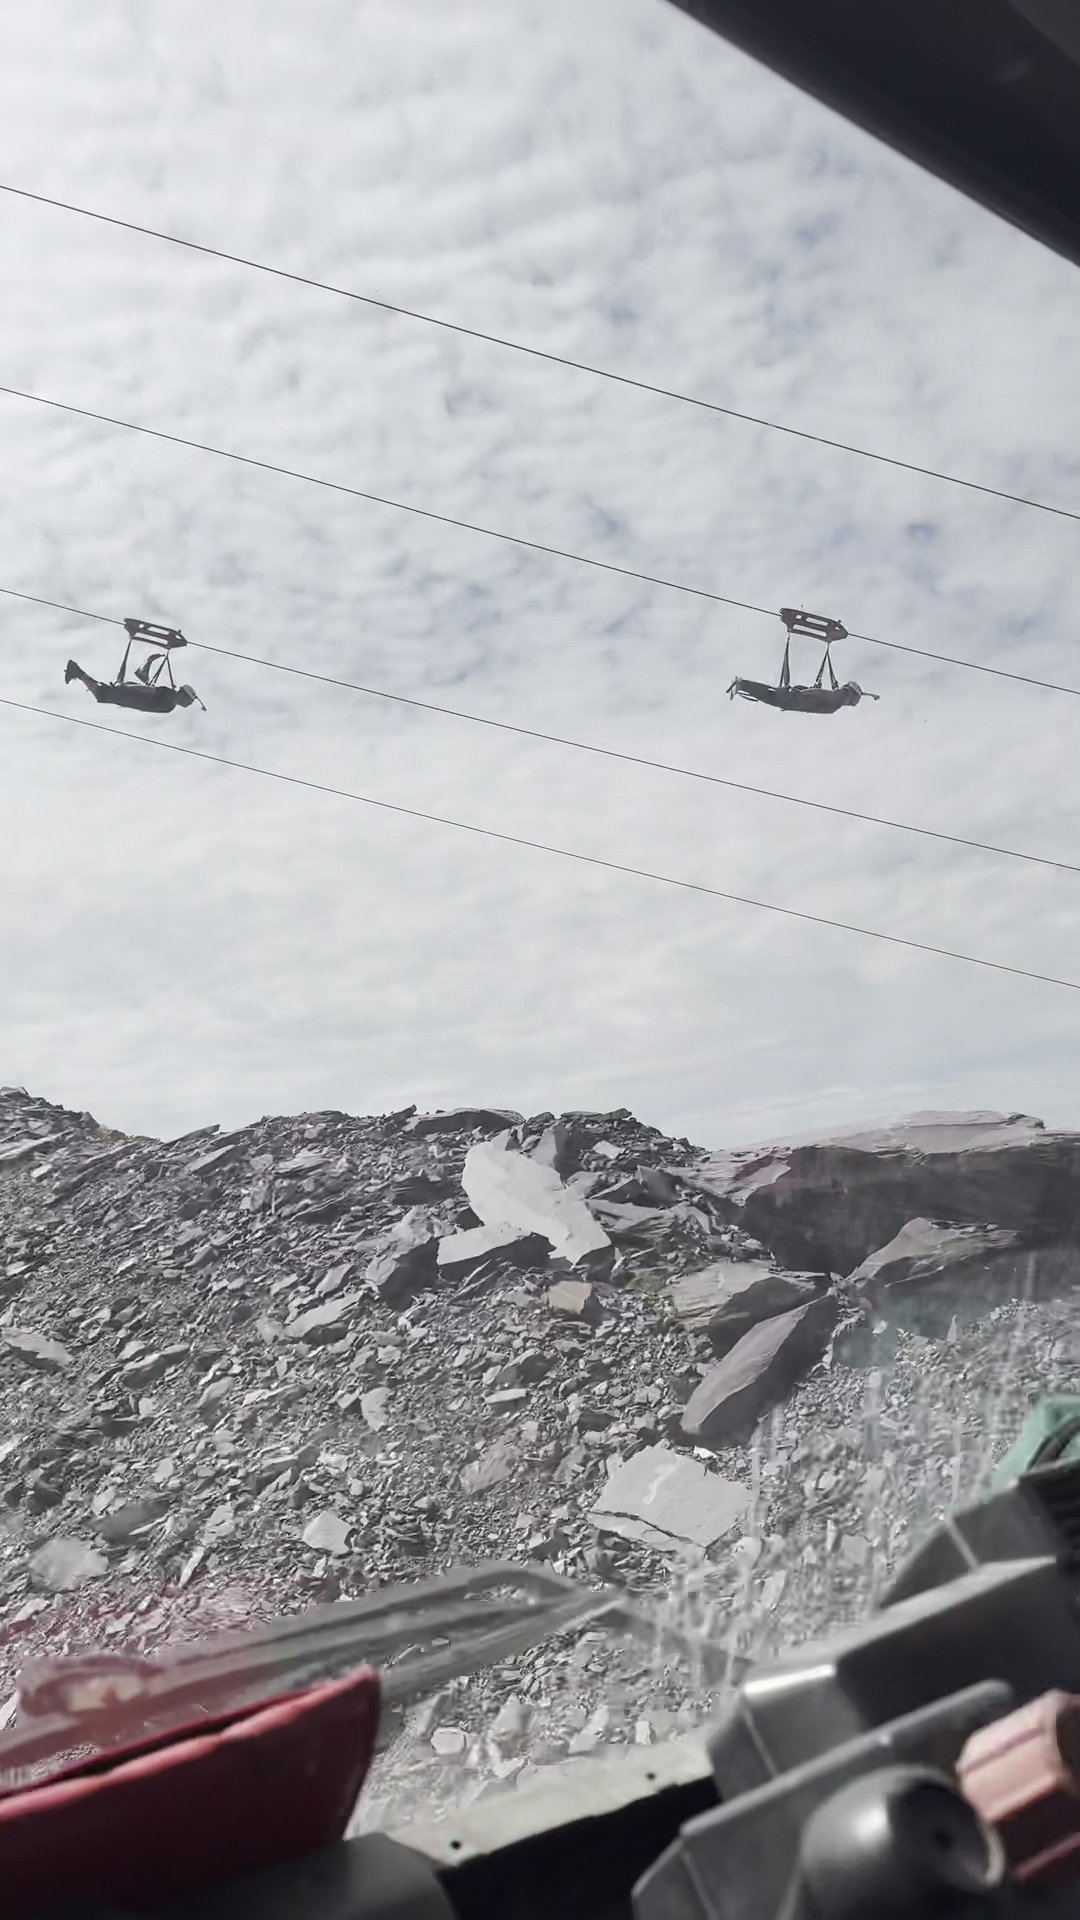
{"x":575,"y":1300}
{"x":832,"y":1202}
{"x":218,"y":1157}
{"x":555,"y":1148}
{"x":463,"y":1120}
{"x":327,"y":1532}
{"x":211,"y":1401}
{"x":520,"y":1194}
{"x":497,"y":1462}
{"x":308,"y":1160}
{"x":36,"y":1349}
{"x":510,"y":1728}
{"x":321,"y":1325}
{"x":926,"y":1250}
{"x":374,"y":1407}
{"x":526,"y":1367}
{"x":18,"y":1151}
{"x":406,"y":1261}
{"x":62,"y":1564}
{"x":461,"y":1253}
{"x":150,"y":1367}
{"x":729,"y":1297}
{"x":759,"y":1369}
{"x":335,"y":1279}
{"x":128,"y":1522}
{"x":661,"y":1499}
{"x":624,"y":1220}
{"x":450,"y":1743}
{"x":220,"y":1525}
{"x":657,"y":1186}
{"x":420,"y":1188}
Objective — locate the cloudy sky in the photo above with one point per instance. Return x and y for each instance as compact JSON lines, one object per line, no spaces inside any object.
{"x":182,"y":943}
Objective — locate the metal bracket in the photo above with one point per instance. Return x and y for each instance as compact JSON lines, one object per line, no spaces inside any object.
{"x":816,"y":626}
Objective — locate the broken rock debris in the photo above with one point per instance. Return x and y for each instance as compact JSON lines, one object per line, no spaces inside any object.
{"x":243,"y":1375}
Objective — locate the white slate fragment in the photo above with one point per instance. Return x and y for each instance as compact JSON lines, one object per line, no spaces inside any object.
{"x":514,"y":1191}
{"x":327,"y":1532}
{"x":373,"y":1406}
{"x":449,"y":1742}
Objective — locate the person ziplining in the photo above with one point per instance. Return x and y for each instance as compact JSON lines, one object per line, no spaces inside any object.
{"x":152,"y":688}
{"x":826,"y":695}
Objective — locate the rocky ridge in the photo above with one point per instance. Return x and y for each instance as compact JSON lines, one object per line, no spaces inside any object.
{"x":244,"y":1373}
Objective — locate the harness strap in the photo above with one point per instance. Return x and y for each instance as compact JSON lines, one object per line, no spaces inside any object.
{"x":826,"y":667}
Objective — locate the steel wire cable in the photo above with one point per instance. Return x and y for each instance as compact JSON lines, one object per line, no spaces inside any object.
{"x":578,"y":746}
{"x":495,"y":533}
{"x":535,"y":353}
{"x":543,"y":846}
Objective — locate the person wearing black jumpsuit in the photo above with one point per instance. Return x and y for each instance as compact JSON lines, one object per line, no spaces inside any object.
{"x":801,"y":699}
{"x":132,"y":693}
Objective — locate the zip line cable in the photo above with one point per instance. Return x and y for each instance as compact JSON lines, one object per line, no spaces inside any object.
{"x":579,"y":746}
{"x":495,"y":533}
{"x":543,"y":846}
{"x":534,"y":353}
{"x":62,"y":606}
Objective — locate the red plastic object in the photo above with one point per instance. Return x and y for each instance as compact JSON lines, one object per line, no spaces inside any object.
{"x":1022,"y":1774}
{"x":201,"y":1805}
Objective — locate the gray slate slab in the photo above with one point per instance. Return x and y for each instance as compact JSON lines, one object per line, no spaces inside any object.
{"x":758,"y":1371}
{"x":664,"y":1500}
{"x":924,"y":1251}
{"x":727,"y":1298}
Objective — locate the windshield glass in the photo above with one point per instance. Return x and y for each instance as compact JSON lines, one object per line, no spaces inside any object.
{"x":419,"y":422}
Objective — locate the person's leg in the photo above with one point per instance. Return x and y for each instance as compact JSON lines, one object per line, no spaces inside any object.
{"x":759,"y":690}
{"x":73,"y":671}
{"x":102,"y":690}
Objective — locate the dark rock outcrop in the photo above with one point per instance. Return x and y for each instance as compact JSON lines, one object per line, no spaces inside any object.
{"x":833,"y":1202}
{"x":407,"y":1259}
{"x":926,"y":1251}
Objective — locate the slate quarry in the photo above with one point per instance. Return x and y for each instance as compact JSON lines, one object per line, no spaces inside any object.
{"x":244,"y":1373}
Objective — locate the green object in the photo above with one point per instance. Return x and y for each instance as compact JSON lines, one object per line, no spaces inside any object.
{"x":1051,"y":1435}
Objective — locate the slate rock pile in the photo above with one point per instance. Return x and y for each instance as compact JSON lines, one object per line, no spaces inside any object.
{"x":245,"y":1373}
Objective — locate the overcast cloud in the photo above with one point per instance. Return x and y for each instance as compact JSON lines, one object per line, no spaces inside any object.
{"x":181,"y":943}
